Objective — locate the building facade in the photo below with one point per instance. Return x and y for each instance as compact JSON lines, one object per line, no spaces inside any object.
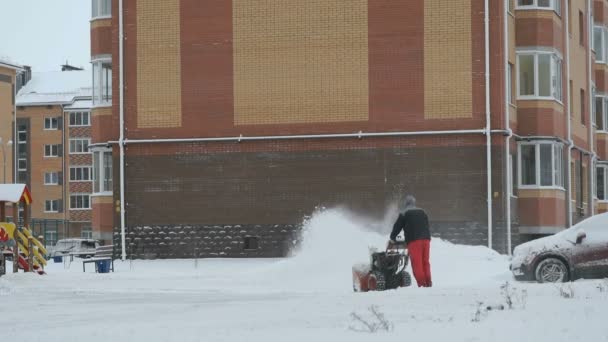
{"x":53,"y":134}
{"x":233,"y":120}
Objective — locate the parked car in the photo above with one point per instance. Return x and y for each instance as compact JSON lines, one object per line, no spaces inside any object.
{"x":84,"y":248}
{"x":578,"y":252}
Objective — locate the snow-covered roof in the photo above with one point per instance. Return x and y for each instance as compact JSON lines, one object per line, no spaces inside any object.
{"x":80,"y":104}
{"x":14,"y":193}
{"x":7,"y":63}
{"x":55,"y":87}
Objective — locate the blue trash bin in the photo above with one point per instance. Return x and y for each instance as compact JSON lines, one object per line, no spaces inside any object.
{"x":57,"y":259}
{"x":103,"y":266}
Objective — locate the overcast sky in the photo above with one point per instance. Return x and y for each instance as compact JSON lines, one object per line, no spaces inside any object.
{"x":46,"y":33}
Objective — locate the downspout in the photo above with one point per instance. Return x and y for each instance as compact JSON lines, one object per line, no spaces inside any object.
{"x":508,"y":167}
{"x":488,"y":123}
{"x":591,"y":181}
{"x":122,"y":128}
{"x":568,"y":119}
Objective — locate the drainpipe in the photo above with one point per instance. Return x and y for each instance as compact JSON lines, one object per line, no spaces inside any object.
{"x":488,"y":123}
{"x":15,"y":136}
{"x":508,"y":167}
{"x":591,"y":181}
{"x":121,"y":139}
{"x":568,"y":120}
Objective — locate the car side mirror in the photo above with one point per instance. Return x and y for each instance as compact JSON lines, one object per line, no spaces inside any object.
{"x":580,"y":236}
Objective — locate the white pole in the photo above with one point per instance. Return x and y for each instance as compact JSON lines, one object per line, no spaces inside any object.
{"x":591,"y":181}
{"x":568,"y":117}
{"x":122,"y":127}
{"x":488,"y":123}
{"x":508,"y":167}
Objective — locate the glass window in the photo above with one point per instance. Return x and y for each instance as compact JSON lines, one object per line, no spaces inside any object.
{"x":101,"y":8}
{"x":542,"y":4}
{"x":601,"y":183}
{"x":22,"y":164}
{"x":80,"y":119}
{"x":80,"y":201}
{"x":79,"y":146}
{"x":51,"y":123}
{"x":80,"y":173}
{"x":102,"y":171}
{"x":528,"y":165}
{"x":598,"y":43}
{"x":540,"y":75}
{"x":102,"y":82}
{"x":51,"y":150}
{"x":51,"y":178}
{"x":541,"y":165}
{"x":510,"y":83}
{"x":51,"y":206}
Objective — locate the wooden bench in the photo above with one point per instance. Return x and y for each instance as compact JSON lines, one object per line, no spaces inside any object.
{"x":102,"y":253}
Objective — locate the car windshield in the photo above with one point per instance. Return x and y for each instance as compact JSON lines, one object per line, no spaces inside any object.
{"x":88,"y":245}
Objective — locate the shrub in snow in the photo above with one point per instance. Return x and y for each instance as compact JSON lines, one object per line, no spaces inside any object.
{"x":513,"y":296}
{"x":376,"y":322}
{"x":480,"y":313}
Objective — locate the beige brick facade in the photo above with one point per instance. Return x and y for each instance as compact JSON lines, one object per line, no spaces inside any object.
{"x":6,"y":121}
{"x":448,"y":92}
{"x":300,"y":61}
{"x":158,"y":64}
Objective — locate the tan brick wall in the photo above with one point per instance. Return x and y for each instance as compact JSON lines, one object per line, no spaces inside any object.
{"x":447,"y":60}
{"x":158,"y":64}
{"x":578,"y":73}
{"x":300,"y":61}
{"x":541,"y":193}
{"x":6,"y":126}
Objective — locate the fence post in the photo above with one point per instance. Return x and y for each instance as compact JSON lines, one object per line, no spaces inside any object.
{"x":30,"y":258}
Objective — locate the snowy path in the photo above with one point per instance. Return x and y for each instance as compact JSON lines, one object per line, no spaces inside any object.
{"x":304,"y":298}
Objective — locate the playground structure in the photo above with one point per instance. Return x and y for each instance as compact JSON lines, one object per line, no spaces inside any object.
{"x":27,"y":252}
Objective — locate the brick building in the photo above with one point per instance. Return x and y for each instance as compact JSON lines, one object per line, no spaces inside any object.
{"x":53,"y":134}
{"x":231,"y":120}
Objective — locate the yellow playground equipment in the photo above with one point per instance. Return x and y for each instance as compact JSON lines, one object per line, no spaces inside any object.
{"x":20,"y":243}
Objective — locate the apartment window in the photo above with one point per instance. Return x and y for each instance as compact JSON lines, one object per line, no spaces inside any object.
{"x":51,"y":178}
{"x":80,"y":174}
{"x":541,"y":165}
{"x":601,"y":113}
{"x":101,"y":8}
{"x":540,"y":75}
{"x":50,"y":237}
{"x":86,"y":233}
{"x":570,"y":100}
{"x":600,"y":37}
{"x":51,"y":206}
{"x":102,"y":82}
{"x":51,"y":123}
{"x":78,"y":119}
{"x":554,"y":5}
{"x":601,"y":175}
{"x":102,"y":171}
{"x":581,"y":28}
{"x":22,"y":164}
{"x":510,"y":84}
{"x":583,"y":100}
{"x":513,"y":175}
{"x":80,"y":201}
{"x":79,"y":146}
{"x":51,"y":150}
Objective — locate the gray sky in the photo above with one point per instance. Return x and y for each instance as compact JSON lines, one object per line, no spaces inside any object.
{"x":46,"y":33}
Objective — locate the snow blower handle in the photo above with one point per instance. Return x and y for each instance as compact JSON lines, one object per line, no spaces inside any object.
{"x":396,"y":245}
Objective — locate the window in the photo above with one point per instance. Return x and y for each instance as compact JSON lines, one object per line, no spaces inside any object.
{"x":51,"y":206}
{"x":80,"y":174}
{"x":79,"y":146}
{"x":102,"y":82}
{"x":86,"y":233}
{"x":51,"y":178}
{"x":80,"y":201}
{"x":583,"y":100}
{"x":600,"y":37}
{"x":102,"y":171}
{"x":80,"y":119}
{"x":511,"y":5}
{"x":22,"y":135}
{"x":510,"y":83}
{"x":570,"y":17}
{"x":50,"y":237}
{"x":22,"y":164}
{"x":581,"y":28}
{"x":101,"y":8}
{"x":554,"y":5}
{"x":51,"y":123}
{"x":601,"y":175}
{"x":601,"y":113}
{"x":541,"y":165}
{"x":513,"y":175}
{"x":51,"y":150}
{"x":540,"y":75}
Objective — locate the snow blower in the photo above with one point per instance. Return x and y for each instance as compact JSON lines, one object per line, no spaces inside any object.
{"x":385,"y":271}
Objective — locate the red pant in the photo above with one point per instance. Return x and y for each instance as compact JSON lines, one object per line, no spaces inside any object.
{"x":419,"y":255}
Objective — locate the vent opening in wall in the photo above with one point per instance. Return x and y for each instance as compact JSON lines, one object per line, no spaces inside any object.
{"x":250,"y":243}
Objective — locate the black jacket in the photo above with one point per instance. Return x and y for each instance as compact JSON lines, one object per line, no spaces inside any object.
{"x":415,"y":225}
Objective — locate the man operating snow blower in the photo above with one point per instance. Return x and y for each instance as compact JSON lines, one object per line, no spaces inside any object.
{"x":415,"y":225}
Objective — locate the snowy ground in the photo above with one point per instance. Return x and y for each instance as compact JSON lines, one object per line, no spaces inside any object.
{"x":304,"y":298}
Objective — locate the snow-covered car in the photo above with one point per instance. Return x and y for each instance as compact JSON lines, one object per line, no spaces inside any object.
{"x":577,"y":252}
{"x":79,"y":247}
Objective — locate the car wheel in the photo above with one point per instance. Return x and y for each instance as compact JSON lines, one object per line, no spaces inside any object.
{"x":551,"y":270}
